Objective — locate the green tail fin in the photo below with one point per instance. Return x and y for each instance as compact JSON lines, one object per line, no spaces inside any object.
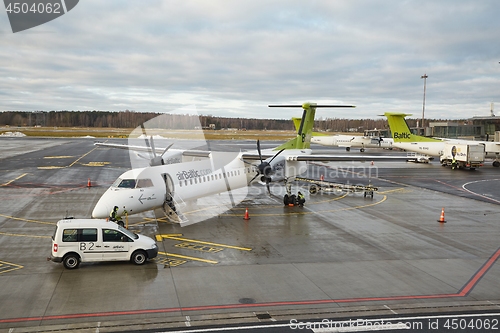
{"x":296,"y":123}
{"x":401,"y":131}
{"x":304,"y":129}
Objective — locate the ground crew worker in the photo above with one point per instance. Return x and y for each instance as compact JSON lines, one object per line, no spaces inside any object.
{"x":453,"y":163}
{"x":114,"y":217}
{"x":301,"y":199}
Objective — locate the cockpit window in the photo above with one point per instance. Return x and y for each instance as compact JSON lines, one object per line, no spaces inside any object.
{"x":117,"y":182}
{"x":141,"y":183}
{"x":127,"y":183}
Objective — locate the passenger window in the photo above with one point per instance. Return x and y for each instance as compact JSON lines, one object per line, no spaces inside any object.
{"x":88,"y":235}
{"x":70,"y":235}
{"x":110,"y":235}
{"x":141,"y":183}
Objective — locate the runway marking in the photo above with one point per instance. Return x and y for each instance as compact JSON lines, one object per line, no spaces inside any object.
{"x":13,"y":180}
{"x":8,"y":267}
{"x":206,"y":243}
{"x":188,"y":257}
{"x":49,"y":157}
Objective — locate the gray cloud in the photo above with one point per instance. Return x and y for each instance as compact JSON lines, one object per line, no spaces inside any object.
{"x":234,"y":58}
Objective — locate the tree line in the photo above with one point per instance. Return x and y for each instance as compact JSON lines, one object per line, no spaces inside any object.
{"x":131,"y":119}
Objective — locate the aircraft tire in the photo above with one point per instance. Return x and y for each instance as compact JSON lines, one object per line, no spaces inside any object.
{"x":121,"y":224}
{"x":313,"y":189}
{"x":496,"y":164}
{"x":285,"y":200}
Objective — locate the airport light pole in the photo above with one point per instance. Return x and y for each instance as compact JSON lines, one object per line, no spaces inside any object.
{"x":423,"y":107}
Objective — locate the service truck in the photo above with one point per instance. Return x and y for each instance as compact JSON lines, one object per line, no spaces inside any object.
{"x":460,"y":155}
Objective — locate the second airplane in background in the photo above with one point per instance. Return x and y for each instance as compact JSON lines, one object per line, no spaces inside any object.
{"x":348,"y":141}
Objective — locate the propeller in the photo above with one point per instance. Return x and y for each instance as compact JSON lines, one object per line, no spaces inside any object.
{"x":380,"y":139}
{"x":264,"y":168}
{"x":154,"y":159}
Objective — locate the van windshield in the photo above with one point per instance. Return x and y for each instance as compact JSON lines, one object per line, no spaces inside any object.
{"x":128,"y":232}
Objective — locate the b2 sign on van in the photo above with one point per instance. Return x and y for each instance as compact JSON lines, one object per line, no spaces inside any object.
{"x":91,"y":240}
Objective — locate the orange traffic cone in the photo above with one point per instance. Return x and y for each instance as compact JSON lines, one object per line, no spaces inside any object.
{"x":246,"y":215}
{"x":441,"y":219}
{"x":88,"y":183}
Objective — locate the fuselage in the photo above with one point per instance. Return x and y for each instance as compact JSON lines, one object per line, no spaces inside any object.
{"x":144,"y":189}
{"x":352,"y":141}
{"x":436,"y":148}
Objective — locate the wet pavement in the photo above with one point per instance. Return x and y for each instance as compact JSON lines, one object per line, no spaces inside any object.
{"x":341,"y":253}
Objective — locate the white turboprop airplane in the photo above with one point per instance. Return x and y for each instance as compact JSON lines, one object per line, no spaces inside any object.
{"x":404,"y":139}
{"x":353,"y":141}
{"x":348,"y":141}
{"x":171,"y":186}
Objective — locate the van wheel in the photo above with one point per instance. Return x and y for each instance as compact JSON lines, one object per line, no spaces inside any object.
{"x":71,"y":261}
{"x":139,"y":257}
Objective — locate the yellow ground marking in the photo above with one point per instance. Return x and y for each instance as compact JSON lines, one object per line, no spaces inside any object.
{"x":316,"y":211}
{"x":58,"y":157}
{"x":170,"y":262}
{"x":206,"y":243}
{"x":188,"y":257}
{"x":13,"y":180}
{"x":199,"y":247}
{"x":68,"y":166}
{"x":14,"y":267}
{"x":21,"y":235}
{"x":96,"y":164}
{"x":26,"y":220}
{"x":159,"y":238}
{"x":50,"y":167}
{"x":395,"y":190}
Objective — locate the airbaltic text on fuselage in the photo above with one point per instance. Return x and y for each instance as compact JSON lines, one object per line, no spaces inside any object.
{"x":401,"y":135}
{"x":183,"y":175}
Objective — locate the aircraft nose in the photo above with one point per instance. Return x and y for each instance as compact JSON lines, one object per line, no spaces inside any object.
{"x":100,"y":211}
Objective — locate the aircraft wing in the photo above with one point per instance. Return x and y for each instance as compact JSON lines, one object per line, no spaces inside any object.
{"x":326,"y":158}
{"x":159,"y":151}
{"x":338,"y":158}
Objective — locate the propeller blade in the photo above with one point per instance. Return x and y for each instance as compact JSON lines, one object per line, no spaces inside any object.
{"x":258,"y":149}
{"x":153,"y":146}
{"x":167,"y":149}
{"x":251,"y":180}
{"x":267,"y":185}
{"x":146,"y":139}
{"x":276,"y":155}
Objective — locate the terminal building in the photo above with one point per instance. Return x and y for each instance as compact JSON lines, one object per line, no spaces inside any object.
{"x":475,"y":128}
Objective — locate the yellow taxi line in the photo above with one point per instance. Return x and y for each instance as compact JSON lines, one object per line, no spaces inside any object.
{"x":25,"y":220}
{"x":13,"y":180}
{"x":188,"y":257}
{"x":206,"y":243}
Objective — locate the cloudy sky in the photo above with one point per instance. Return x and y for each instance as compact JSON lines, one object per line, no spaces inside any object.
{"x":233,"y":58}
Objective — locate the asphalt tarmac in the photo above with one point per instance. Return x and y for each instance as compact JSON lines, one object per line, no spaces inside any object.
{"x":343,"y":255}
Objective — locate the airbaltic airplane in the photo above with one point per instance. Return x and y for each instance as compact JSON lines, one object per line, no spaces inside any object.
{"x":348,"y":141}
{"x":404,"y":139}
{"x":172,"y":186}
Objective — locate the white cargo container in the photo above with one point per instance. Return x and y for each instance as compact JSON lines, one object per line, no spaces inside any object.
{"x":458,"y":155}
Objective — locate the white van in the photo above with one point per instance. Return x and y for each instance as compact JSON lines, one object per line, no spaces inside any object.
{"x":90,"y":240}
